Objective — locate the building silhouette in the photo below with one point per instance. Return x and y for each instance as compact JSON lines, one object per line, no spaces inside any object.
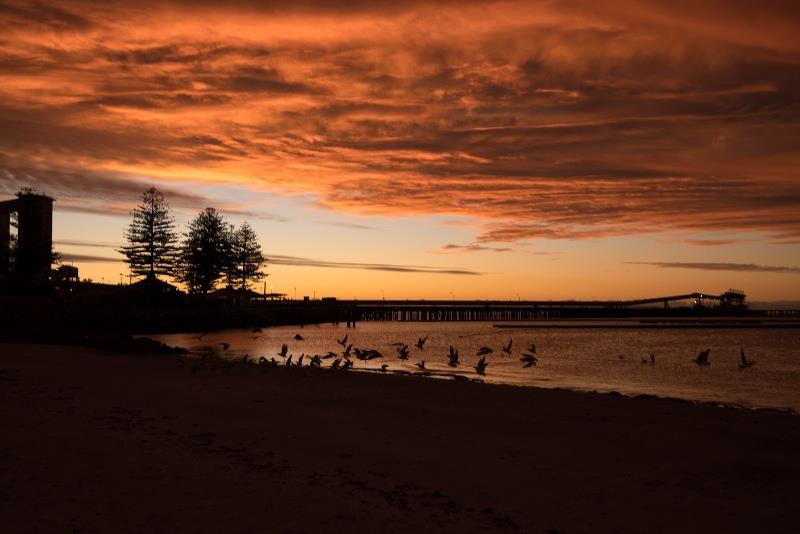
{"x":34,"y":251}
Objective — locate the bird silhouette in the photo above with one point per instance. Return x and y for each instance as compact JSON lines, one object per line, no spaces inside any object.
{"x":480,"y":368}
{"x":453,"y":356}
{"x":289,"y":361}
{"x":702,"y":358}
{"x":225,"y":346}
{"x":346,"y":352}
{"x":507,"y":347}
{"x":421,"y":342}
{"x":745,"y":362}
{"x":529,"y":360}
{"x":653,"y":358}
{"x":300,"y":360}
{"x":298,"y":337}
{"x":343,"y":341}
{"x":284,"y":350}
{"x":336,"y":363}
{"x":532,"y":348}
{"x":347,"y":365}
{"x":421,"y":365}
{"x":402,"y":352}
{"x":316,"y":361}
{"x":329,"y":356}
{"x":384,"y":367}
{"x":483,"y":351}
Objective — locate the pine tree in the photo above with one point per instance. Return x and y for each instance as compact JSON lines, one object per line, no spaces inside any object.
{"x":152,"y":241}
{"x":204,"y":253}
{"x":247,"y":256}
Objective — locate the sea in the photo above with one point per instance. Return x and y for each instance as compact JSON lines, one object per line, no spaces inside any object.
{"x":589,"y":356}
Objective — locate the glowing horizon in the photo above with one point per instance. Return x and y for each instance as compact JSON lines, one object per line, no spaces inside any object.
{"x":552,"y":149}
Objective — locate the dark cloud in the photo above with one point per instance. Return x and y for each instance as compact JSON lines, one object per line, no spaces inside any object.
{"x":474,"y":247}
{"x":294,"y":261}
{"x":710,"y":266}
{"x":307,"y":262}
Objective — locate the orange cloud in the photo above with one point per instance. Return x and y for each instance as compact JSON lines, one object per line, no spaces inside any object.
{"x":564,"y":119}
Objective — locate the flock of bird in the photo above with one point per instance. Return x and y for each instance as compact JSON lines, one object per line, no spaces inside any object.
{"x":344,"y":360}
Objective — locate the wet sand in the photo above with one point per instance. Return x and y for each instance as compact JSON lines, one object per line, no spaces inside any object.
{"x":100,"y":442}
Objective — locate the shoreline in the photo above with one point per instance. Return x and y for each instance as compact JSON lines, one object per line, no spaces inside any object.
{"x":130,"y":443}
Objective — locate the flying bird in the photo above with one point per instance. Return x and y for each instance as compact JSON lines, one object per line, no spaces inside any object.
{"x":421,"y":342}
{"x":507,"y":347}
{"x":745,"y":362}
{"x":483,"y":351}
{"x":480,"y":368}
{"x":329,"y":356}
{"x":529,"y":360}
{"x":532,"y":348}
{"x":298,"y":337}
{"x":402,"y":352}
{"x":346,"y":352}
{"x":453,"y":356}
{"x":343,"y":341}
{"x":384,"y":367}
{"x":421,"y":365}
{"x":284,"y":350}
{"x":225,"y":346}
{"x":702,"y":358}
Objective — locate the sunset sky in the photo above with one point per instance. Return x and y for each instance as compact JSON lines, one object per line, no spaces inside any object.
{"x":450,"y":149}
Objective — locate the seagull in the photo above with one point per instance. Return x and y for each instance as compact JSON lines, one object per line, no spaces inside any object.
{"x":300,"y":361}
{"x":346,"y":352}
{"x":225,"y":346}
{"x":529,"y":360}
{"x":384,"y":367}
{"x":421,"y":342}
{"x":284,"y":350}
{"x":702,"y":358}
{"x":421,"y":365}
{"x":316,"y":361}
{"x":507,"y":348}
{"x":343,"y":341}
{"x":289,"y":361}
{"x":298,"y":337}
{"x":453,"y":357}
{"x":481,"y":367}
{"x":336,"y":363}
{"x":532,"y":348}
{"x":483,"y":351}
{"x":402,"y":352}
{"x":745,"y":363}
{"x":329,"y":356}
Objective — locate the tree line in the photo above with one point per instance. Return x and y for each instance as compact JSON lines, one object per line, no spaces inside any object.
{"x":209,"y":252}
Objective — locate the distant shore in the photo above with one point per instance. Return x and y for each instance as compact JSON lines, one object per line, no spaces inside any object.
{"x":98,"y":441}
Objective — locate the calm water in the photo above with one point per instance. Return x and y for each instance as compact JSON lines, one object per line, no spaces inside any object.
{"x":576,"y":358}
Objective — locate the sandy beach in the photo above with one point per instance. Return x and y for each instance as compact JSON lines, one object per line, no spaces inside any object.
{"x":94,"y":441}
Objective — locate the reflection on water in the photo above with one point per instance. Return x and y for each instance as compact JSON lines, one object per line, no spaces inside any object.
{"x":593,"y":359}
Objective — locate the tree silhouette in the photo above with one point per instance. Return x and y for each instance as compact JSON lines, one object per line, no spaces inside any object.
{"x":204,"y":252}
{"x":152,"y":241}
{"x":246,"y":257}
